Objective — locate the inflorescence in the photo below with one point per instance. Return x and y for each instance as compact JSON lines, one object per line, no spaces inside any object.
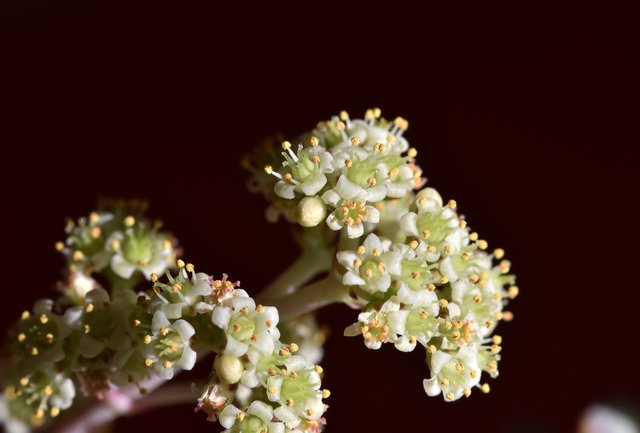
{"x":132,"y":314}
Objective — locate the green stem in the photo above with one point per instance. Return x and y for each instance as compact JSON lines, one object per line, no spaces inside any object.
{"x":305,"y":267}
{"x":316,"y":295}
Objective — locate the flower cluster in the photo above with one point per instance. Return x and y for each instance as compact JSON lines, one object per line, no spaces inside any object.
{"x":120,"y":244}
{"x":258,"y":383}
{"x":347,"y":167}
{"x":110,"y":338}
{"x":408,"y":260}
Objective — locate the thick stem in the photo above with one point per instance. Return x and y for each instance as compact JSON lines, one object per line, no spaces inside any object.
{"x":316,"y":295}
{"x":305,"y":267}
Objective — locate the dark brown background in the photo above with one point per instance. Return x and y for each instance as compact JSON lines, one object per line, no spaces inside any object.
{"x":526,"y":117}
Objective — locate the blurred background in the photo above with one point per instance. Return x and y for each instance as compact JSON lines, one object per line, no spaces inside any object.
{"x":527,"y":117}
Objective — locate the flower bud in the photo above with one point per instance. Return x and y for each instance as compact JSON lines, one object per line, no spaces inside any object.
{"x":311,"y":211}
{"x":229,"y":368}
{"x":429,"y":193}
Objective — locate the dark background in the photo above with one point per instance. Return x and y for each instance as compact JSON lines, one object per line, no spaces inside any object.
{"x":526,"y":117}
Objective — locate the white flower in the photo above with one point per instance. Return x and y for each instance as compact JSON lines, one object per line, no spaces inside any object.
{"x":257,"y":419}
{"x":140,"y":248}
{"x":297,"y":391}
{"x":10,"y":423}
{"x":169,"y":346}
{"x":374,"y":325}
{"x":246,"y":325}
{"x":453,"y":374}
{"x":371,"y":266}
{"x":41,"y":334}
{"x":307,"y":171}
{"x":436,"y":227}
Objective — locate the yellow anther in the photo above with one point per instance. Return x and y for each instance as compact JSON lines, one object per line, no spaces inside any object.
{"x":498,"y":315}
{"x":431,"y":348}
{"x":463,"y":224}
{"x":22,"y":337}
{"x":513,"y":292}
{"x":368,"y":115}
{"x":309,"y":412}
{"x":167,"y":364}
{"x":59,"y":246}
{"x":415,"y":275}
{"x":176,"y":288}
{"x":94,"y":217}
{"x":473,"y":374}
{"x":473,"y":236}
{"x":96,"y":232}
{"x":129,"y":221}
{"x":448,"y":325}
{"x":431,"y":287}
{"x":344,"y":115}
{"x":467,"y":392}
{"x":39,"y":414}
{"x":167,"y":245}
{"x":459,"y":366}
{"x":485,"y":388}
{"x":289,"y":402}
{"x":348,"y":163}
{"x":432,"y":249}
{"x":34,"y":351}
{"x":286,"y":145}
{"x":465,"y":257}
{"x":489,"y":324}
{"x":89,"y":308}
{"x":361,"y":250}
{"x":414,"y":244}
{"x":24,"y":381}
{"x":313,"y":141}
{"x":237,"y":327}
{"x":391,"y":138}
{"x":180,"y":263}
{"x":326,"y":393}
{"x":448,"y":249}
{"x":148,"y":362}
{"x":288,"y":177}
{"x":477,"y":299}
{"x":376,"y":252}
{"x":43,"y":318}
{"x":54,"y":412}
{"x":293,"y":347}
{"x":86,"y":328}
{"x":355,"y":141}
{"x":495,"y":349}
{"x":498,"y":253}
{"x":449,"y":396}
{"x":294,"y":375}
{"x":244,"y":310}
{"x":444,"y":280}
{"x":426,"y":234}
{"x":456,"y":335}
{"x":412,"y":153}
{"x":77,"y":255}
{"x":147,"y":339}
{"x":164,"y":331}
{"x":507,"y":316}
{"x":482,"y":244}
{"x":377,"y":112}
{"x":318,"y":369}
{"x":240,"y":416}
{"x":260,"y":308}
{"x":137,"y":323}
{"x":48,"y":390}
{"x":497,"y":339}
{"x":492,"y":366}
{"x":49,"y":338}
{"x":504,"y":266}
{"x":452,"y":204}
{"x":115,"y":244}
{"x":357,"y":262}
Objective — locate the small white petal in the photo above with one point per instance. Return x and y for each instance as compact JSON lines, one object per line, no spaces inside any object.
{"x":228,"y":416}
{"x":431,"y":386}
{"x":313,"y":185}
{"x":221,"y":316}
{"x":285,"y":189}
{"x":261,"y":410}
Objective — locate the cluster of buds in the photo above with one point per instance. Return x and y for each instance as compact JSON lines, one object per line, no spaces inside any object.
{"x":408,"y":261}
